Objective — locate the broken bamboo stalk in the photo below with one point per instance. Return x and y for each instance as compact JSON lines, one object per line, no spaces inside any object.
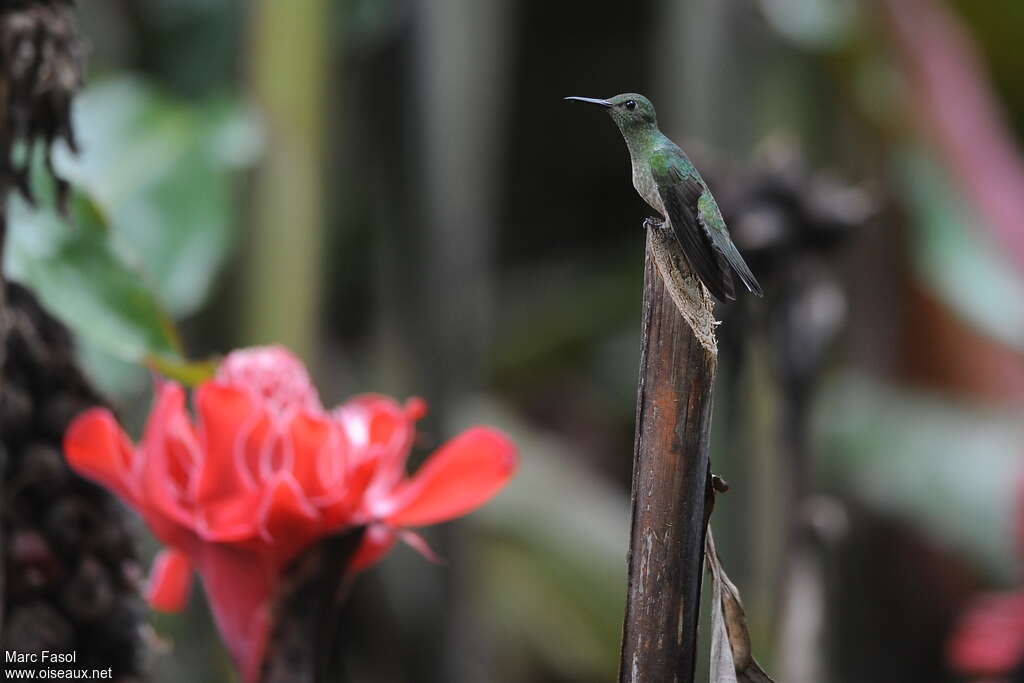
{"x":670,"y":471}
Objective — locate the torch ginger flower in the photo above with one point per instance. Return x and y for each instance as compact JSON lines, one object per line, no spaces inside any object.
{"x":988,"y":640}
{"x":266,"y":471}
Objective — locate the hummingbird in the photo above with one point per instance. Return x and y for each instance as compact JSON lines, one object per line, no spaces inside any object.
{"x":667,"y":180}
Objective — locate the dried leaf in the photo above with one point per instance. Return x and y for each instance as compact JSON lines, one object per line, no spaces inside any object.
{"x":732,"y":660}
{"x":723,"y":670}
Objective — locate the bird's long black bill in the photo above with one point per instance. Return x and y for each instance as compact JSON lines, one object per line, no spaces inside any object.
{"x":591,"y":100}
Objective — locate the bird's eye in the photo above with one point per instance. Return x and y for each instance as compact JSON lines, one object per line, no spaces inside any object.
{"x":631,"y":104}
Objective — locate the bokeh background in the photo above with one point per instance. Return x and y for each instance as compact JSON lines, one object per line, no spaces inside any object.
{"x":395,"y":190}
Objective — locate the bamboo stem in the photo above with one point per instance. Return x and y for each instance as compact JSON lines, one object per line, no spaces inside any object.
{"x":288,"y":51}
{"x":670,"y":472}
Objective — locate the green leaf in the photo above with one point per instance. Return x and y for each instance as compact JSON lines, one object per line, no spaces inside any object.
{"x":74,"y":271}
{"x":189,"y":373}
{"x":161,"y":171}
{"x":152,"y":219}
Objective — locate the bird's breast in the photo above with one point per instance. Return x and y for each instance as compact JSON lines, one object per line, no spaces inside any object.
{"x":645,"y":186}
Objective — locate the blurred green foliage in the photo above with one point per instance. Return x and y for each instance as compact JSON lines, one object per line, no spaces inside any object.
{"x":918,"y":456}
{"x":158,"y":168}
{"x":947,"y":250}
{"x":73,"y":268}
{"x":813,"y":24}
{"x":152,"y":218}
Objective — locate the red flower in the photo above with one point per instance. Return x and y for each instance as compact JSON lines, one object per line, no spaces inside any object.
{"x":264,"y":472}
{"x":988,"y":640}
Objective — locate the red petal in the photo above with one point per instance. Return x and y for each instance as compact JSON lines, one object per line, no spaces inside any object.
{"x":466,"y":473}
{"x":95,"y":447}
{"x":377,"y":428}
{"x":377,"y":541}
{"x":288,"y":522}
{"x":171,"y":456}
{"x":227,"y":417}
{"x":318,"y":457}
{"x":340,"y":513}
{"x":420,"y":545}
{"x":383,"y":419}
{"x":230,"y":519}
{"x":415,"y":408}
{"x":170,"y":581}
{"x":239,"y":586}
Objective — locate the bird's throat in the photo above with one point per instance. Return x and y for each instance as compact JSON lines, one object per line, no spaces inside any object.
{"x":640,"y":140}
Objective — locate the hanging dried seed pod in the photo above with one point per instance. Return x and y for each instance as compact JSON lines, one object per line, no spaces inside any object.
{"x":42,"y":62}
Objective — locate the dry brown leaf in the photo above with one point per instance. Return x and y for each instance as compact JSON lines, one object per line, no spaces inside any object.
{"x":732,"y":660}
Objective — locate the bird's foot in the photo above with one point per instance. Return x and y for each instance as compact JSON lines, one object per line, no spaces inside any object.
{"x":653,"y":223}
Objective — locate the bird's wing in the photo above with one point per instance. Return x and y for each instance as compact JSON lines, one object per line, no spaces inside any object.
{"x":680,"y":194}
{"x":711,"y":218}
{"x":699,"y":227}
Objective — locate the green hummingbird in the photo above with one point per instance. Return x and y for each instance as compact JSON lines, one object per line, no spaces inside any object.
{"x":667,"y":180}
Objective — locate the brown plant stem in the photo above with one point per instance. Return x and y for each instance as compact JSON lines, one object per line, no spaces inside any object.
{"x":670,"y":471}
{"x":307,"y":612}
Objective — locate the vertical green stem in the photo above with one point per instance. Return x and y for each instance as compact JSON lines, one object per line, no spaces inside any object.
{"x":287,"y":73}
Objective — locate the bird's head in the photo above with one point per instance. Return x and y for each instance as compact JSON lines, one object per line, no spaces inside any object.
{"x":630,"y":111}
